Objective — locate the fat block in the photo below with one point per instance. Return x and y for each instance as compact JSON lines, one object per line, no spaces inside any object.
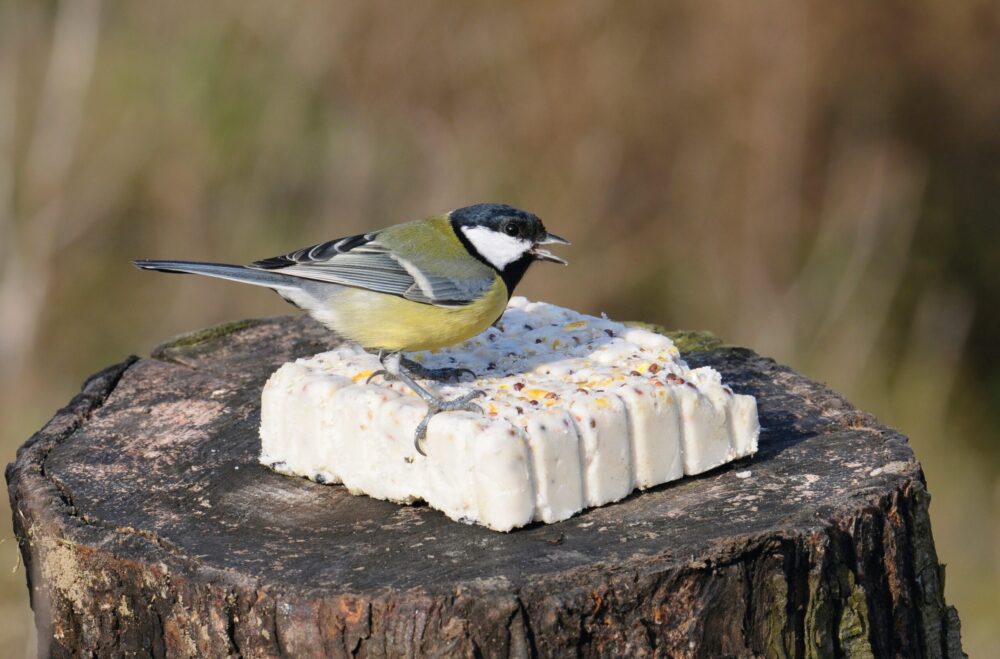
{"x":579,"y":411}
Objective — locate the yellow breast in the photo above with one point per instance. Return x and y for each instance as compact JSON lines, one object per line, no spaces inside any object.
{"x":389,"y":322}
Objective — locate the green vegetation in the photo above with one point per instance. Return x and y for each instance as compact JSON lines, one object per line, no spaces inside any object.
{"x":685,"y":340}
{"x":199,"y":337}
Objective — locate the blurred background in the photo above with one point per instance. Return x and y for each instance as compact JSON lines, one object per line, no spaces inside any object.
{"x":818,"y":182}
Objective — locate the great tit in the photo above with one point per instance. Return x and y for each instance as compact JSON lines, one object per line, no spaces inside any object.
{"x":419,"y":285}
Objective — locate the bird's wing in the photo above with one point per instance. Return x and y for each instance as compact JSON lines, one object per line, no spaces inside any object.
{"x":362,"y":262}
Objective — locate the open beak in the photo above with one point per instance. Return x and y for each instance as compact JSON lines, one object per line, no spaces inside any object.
{"x":546,"y":255}
{"x":553,"y":238}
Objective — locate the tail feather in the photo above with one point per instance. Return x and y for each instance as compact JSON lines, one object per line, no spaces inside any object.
{"x":238,"y":273}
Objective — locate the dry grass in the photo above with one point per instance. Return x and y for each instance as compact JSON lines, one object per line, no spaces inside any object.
{"x":817,"y":182}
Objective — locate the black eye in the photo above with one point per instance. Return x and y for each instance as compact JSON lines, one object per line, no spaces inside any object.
{"x":510,"y":229}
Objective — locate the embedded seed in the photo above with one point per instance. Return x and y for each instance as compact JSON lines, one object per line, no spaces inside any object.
{"x":654,"y":367}
{"x":518,"y":386}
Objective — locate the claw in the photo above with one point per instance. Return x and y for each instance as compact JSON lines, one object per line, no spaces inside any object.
{"x":421,"y":433}
{"x":466,"y":405}
{"x":382,"y":371}
{"x":460,"y":404}
{"x":459,"y":372}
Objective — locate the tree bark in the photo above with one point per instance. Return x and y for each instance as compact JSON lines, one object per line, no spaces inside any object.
{"x":149,"y":529}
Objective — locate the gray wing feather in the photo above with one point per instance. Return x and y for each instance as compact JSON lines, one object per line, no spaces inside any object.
{"x":361,"y":262}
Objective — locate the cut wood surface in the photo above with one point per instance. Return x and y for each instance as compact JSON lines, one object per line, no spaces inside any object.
{"x":148,"y":528}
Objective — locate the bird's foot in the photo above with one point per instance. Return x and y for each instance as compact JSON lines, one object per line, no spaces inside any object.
{"x":436,"y":405}
{"x":438,"y":374}
{"x":398,"y":368}
{"x":422,"y":372}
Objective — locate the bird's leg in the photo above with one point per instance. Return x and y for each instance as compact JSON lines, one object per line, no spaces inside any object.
{"x":395,"y":370}
{"x":389,"y":377}
{"x":438,"y":374}
{"x":437,"y":404}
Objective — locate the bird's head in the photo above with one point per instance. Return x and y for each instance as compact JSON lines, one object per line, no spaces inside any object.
{"x":504,"y":237}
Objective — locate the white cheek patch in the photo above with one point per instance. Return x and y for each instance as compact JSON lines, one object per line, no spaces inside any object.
{"x":497,"y":248}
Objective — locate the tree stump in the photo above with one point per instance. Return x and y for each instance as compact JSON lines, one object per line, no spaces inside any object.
{"x":148,"y":528}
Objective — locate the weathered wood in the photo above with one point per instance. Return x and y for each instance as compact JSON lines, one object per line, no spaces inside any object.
{"x":149,"y":529}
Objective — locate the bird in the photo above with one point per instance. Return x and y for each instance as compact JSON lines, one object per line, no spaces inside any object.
{"x":420,"y":285}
